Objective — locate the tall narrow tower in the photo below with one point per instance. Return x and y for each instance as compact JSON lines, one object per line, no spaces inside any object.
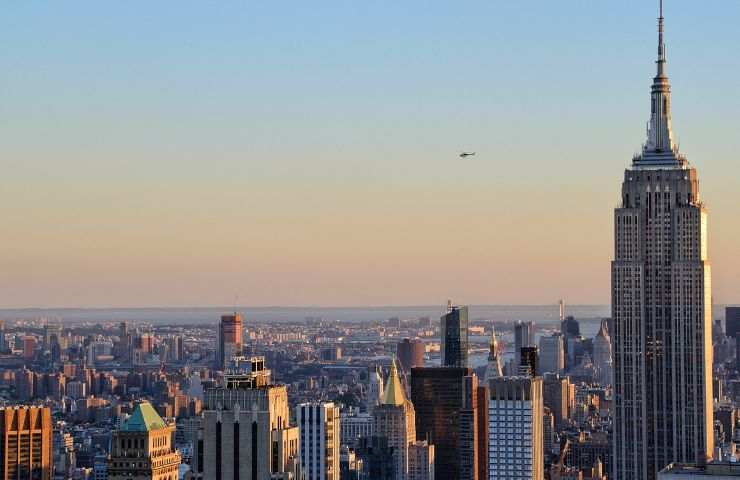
{"x":661,"y":304}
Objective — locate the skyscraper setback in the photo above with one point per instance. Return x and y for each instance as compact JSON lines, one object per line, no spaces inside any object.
{"x":661,"y":304}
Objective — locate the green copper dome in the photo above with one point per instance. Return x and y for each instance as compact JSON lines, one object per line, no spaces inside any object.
{"x":144,"y":419}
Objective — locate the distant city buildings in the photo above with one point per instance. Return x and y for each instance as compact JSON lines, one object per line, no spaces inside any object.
{"x":26,"y":443}
{"x":552,"y":354}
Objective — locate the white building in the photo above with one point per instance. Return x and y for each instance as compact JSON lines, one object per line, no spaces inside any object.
{"x":603,"y":355}
{"x":355,"y":425}
{"x":318,"y":424}
{"x":515,"y":430}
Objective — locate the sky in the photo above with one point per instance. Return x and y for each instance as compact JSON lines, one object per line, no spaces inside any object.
{"x":180,"y":153}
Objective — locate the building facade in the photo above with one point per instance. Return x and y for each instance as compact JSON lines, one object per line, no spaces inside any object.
{"x":246,"y":434}
{"x":410,"y":353}
{"x":26,"y":443}
{"x":229,"y":339}
{"x":515,"y":437}
{"x":661,"y":305}
{"x":552,"y":354}
{"x":395,"y":420}
{"x":444,"y":416}
{"x":523,"y":337}
{"x":142,"y":448}
{"x":454,"y":341}
{"x":318,"y":424}
{"x":421,"y":461}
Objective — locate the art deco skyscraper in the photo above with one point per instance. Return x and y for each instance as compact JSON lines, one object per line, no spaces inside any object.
{"x":661,"y":305}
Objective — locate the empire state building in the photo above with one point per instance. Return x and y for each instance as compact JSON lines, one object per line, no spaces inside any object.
{"x":661,"y":304}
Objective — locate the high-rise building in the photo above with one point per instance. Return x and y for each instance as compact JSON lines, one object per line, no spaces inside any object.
{"x":395,"y":420}
{"x":493,"y":370}
{"x":376,"y":458}
{"x":552,"y":354}
{"x":473,"y":442}
{"x":515,"y":429}
{"x":52,"y":335}
{"x":523,"y":337}
{"x":570,"y":327}
{"x":318,"y":424}
{"x":732,"y":330}
{"x":410,"y":354}
{"x":246,"y":431}
{"x":374,"y":394}
{"x":355,"y":425}
{"x":29,"y":346}
{"x":732,"y":321}
{"x":26,"y":443}
{"x":603,"y":355}
{"x":142,"y":448}
{"x":229,"y":339}
{"x":548,"y":431}
{"x":661,"y":305}
{"x":529,"y":361}
{"x":421,"y":461}
{"x":556,"y":396}
{"x":454,"y":341}
{"x":438,"y":398}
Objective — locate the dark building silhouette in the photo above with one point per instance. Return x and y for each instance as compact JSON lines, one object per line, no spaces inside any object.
{"x":450,"y":413}
{"x":377,"y":459}
{"x":529,"y":360}
{"x":570,"y":327}
{"x":454,"y":341}
{"x":474,"y":430}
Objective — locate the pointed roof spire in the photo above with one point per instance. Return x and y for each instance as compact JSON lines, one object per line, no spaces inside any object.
{"x":493,"y":345}
{"x":493,"y":370}
{"x":393,"y":394}
{"x":661,"y":43}
{"x":144,"y":418}
{"x":660,"y":151}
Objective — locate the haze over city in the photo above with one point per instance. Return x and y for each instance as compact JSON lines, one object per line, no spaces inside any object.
{"x":307,"y":154}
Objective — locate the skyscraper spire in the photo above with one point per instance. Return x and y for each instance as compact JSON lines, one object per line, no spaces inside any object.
{"x":661,"y":42}
{"x":660,"y":150}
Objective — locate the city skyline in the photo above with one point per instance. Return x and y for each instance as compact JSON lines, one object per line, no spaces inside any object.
{"x":187,"y":166}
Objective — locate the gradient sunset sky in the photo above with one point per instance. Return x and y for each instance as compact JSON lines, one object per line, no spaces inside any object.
{"x":305,"y":153}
